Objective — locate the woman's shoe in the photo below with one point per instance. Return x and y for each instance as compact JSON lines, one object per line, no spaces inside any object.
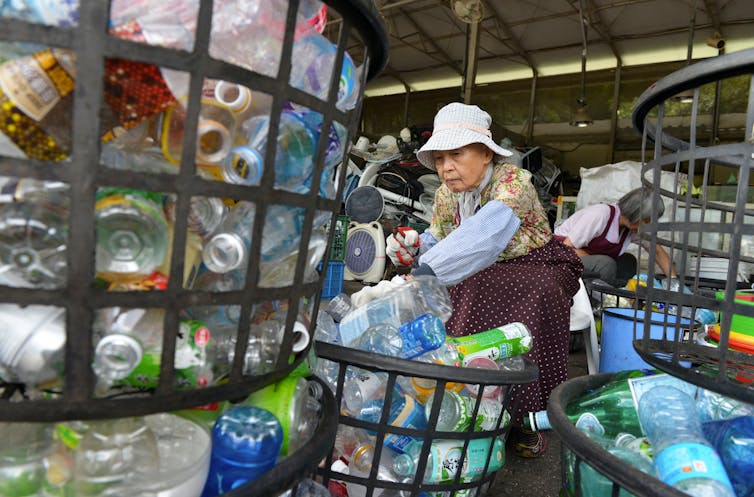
{"x":527,"y":443}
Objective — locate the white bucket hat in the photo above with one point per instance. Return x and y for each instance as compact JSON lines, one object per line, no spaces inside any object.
{"x":458,"y":125}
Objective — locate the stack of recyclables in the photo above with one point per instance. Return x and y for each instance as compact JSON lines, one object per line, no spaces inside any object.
{"x":158,"y":202}
{"x":393,"y":368}
{"x":690,"y":438}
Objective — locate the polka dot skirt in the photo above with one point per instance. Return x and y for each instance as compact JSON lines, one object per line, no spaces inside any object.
{"x":536,"y":290}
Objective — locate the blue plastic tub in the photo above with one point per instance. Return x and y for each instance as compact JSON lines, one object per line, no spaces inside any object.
{"x":616,"y":342}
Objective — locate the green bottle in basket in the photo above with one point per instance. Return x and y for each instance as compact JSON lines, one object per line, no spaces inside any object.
{"x":608,"y":409}
{"x":508,"y":340}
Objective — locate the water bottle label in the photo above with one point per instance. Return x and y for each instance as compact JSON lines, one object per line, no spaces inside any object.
{"x":684,"y":461}
{"x":411,"y":416}
{"x":446,"y":458}
{"x":588,"y":423}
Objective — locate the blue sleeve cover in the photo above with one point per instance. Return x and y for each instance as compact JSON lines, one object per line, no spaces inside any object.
{"x":474,"y":245}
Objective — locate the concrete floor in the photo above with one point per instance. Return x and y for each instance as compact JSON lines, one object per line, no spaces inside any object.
{"x":522,"y":477}
{"x":537,"y":477}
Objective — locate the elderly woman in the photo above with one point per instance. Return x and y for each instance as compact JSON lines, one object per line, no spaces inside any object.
{"x":601,"y":233}
{"x":491,"y":243}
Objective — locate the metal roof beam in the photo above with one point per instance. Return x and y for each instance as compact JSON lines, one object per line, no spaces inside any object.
{"x":512,"y":40}
{"x":448,"y":59}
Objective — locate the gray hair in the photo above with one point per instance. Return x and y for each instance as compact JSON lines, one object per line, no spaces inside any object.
{"x":637,"y":204}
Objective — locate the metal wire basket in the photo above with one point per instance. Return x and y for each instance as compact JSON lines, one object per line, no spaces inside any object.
{"x":707,"y":230}
{"x":360,"y":31}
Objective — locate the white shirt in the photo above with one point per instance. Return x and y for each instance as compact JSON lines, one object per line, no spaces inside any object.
{"x":588,"y":223}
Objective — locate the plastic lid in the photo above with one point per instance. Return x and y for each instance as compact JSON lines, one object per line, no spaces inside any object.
{"x":235,"y":96}
{"x":300,"y":337}
{"x":248,"y":434}
{"x":243,"y":166}
{"x":224,"y":252}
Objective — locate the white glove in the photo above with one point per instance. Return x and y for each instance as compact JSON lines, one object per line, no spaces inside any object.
{"x":369,"y":293}
{"x":402,"y":246}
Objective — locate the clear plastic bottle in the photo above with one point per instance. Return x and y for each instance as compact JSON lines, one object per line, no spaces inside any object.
{"x":419,"y":295}
{"x":361,"y":466}
{"x":228,"y":248}
{"x":246,"y":441}
{"x":339,"y":306}
{"x":132,"y":233}
{"x":733,"y":439}
{"x":682,"y":456}
{"x":412,"y":339}
{"x":128,"y":349}
{"x":294,"y":155}
{"x":360,"y":387}
{"x":33,"y":241}
{"x":28,"y":462}
{"x":327,"y":330}
{"x":114,"y":457}
{"x":52,"y":13}
{"x":404,"y":412}
{"x":312,"y":66}
{"x":32,"y":343}
{"x":456,"y":411}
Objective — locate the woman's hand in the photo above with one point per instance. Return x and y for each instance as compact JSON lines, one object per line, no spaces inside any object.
{"x":402,"y":246}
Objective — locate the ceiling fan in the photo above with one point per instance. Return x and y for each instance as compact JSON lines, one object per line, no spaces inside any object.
{"x":469,"y":11}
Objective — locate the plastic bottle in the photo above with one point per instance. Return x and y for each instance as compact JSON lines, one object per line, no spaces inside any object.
{"x":444,"y":458}
{"x":246,"y":441}
{"x":132,"y":232}
{"x":713,"y":406}
{"x":289,"y":400}
{"x":294,"y":154}
{"x":52,"y":13}
{"x":490,"y":391}
{"x":215,"y":133}
{"x":360,"y":387}
{"x":32,"y":343}
{"x":113,"y":457}
{"x":311,"y":70}
{"x":361,"y":466}
{"x":733,"y":439}
{"x":28,"y":466}
{"x":497,"y":343}
{"x":419,"y":295}
{"x":128,"y":349}
{"x":348,"y":439}
{"x":339,"y":306}
{"x":33,"y":240}
{"x":405,"y":412}
{"x":456,"y":411}
{"x":682,"y":456}
{"x":610,"y":406}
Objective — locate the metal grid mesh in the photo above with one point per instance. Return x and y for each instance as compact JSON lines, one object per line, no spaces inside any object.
{"x":80,"y":297}
{"x":700,"y":227}
{"x":395,"y":367}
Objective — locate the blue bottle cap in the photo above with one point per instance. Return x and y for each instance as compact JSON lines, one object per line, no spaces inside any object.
{"x":247,"y":434}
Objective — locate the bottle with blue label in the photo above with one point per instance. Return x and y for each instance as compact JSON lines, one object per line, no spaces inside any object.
{"x":405,"y":412}
{"x":246,"y":441}
{"x":412,"y":339}
{"x":683,"y":458}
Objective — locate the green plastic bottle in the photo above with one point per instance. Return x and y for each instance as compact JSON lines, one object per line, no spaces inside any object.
{"x":609,"y":408}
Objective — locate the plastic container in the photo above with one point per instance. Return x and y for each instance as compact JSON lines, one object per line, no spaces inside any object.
{"x":621,"y":326}
{"x":333,"y":284}
{"x":386,"y":371}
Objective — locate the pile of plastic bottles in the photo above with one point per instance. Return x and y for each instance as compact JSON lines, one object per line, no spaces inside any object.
{"x":698,"y":441}
{"x":408,"y":322}
{"x":196,"y":452}
{"x":144,"y":109}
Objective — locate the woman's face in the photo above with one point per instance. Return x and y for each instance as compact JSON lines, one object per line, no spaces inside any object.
{"x":462,"y":169}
